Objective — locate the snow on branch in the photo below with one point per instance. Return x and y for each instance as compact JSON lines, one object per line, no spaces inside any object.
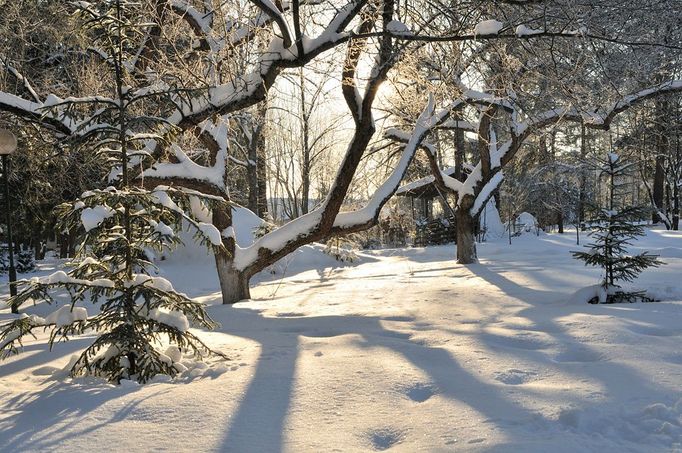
{"x":35,"y":111}
{"x":598,"y":118}
{"x":486,"y":192}
{"x":348,"y":220}
{"x":276,"y":15}
{"x":23,"y":80}
{"x":309,"y":224}
{"x":200,"y":22}
{"x":187,"y":169}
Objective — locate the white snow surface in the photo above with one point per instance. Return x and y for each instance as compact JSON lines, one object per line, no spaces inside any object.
{"x":92,"y":217}
{"x":171,"y":318}
{"x":526,"y":222}
{"x":523,"y":30}
{"x":67,"y":315}
{"x":398,"y":28}
{"x":403,"y":351}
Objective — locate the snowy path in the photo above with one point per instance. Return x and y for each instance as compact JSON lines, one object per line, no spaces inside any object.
{"x":406,"y":351}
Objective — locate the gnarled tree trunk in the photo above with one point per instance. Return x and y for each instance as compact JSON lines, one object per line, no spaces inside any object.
{"x":234,"y":284}
{"x":466,"y":243}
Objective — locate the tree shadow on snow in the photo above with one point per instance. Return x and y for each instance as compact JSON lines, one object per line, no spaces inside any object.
{"x":37,"y":419}
{"x":259,"y":423}
{"x":565,"y":350}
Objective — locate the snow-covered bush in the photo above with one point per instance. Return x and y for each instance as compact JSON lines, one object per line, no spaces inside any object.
{"x":395,"y":227}
{"x":341,"y":248}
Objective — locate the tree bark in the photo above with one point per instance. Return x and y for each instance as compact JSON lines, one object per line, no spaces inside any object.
{"x":659,"y":184}
{"x":234,"y":285}
{"x":466,"y":243}
{"x":661,"y":151}
{"x":255,"y":171}
{"x":305,"y":134}
{"x":676,"y":186}
{"x":460,"y":151}
{"x":582,"y":195}
{"x":261,"y":175}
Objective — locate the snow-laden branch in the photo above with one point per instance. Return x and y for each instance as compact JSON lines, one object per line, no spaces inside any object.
{"x":597,"y":118}
{"x":349,"y":220}
{"x":35,"y":111}
{"x":310,"y":225}
{"x":200,"y":22}
{"x":277,"y":16}
{"x":186,"y":169}
{"x":23,"y":80}
{"x":249,"y":89}
{"x":486,"y":176}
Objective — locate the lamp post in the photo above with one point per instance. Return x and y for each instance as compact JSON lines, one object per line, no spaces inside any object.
{"x":8,"y":144}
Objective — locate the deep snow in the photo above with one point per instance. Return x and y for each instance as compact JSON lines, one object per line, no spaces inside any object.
{"x":404,"y":350}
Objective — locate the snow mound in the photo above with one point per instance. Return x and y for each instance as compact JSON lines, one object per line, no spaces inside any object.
{"x":398,"y":28}
{"x":657,"y":425}
{"x":523,"y":30}
{"x":527,"y":222}
{"x":488,"y":27}
{"x":66,"y":315}
{"x":490,"y":218}
{"x":589,"y":293}
{"x":93,"y":217}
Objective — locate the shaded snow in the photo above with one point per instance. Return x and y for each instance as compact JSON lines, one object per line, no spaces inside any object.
{"x":405,"y":351}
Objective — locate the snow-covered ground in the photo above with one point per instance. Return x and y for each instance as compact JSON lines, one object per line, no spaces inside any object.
{"x":404,"y":350}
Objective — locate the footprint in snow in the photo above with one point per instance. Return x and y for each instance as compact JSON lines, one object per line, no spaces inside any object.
{"x":291,"y":314}
{"x":385,"y":438}
{"x":398,"y":318}
{"x":578,"y":355}
{"x":516,"y":377}
{"x":419,"y":392}
{"x":674,"y":359}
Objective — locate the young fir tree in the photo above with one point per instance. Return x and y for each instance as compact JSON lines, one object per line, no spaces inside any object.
{"x":613,"y":230}
{"x":141,"y":321}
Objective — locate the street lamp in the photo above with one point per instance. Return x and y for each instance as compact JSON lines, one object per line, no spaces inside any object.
{"x":8,"y":144}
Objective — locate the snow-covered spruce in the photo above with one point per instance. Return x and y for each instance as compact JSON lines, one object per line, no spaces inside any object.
{"x":613,"y":229}
{"x":137,"y":314}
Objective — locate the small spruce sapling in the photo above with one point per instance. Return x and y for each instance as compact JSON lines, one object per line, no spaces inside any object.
{"x":613,"y":230}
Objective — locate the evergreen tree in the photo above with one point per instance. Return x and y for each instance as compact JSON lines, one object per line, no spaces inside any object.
{"x":612,"y":231}
{"x":25,"y":261}
{"x":142,"y":322}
